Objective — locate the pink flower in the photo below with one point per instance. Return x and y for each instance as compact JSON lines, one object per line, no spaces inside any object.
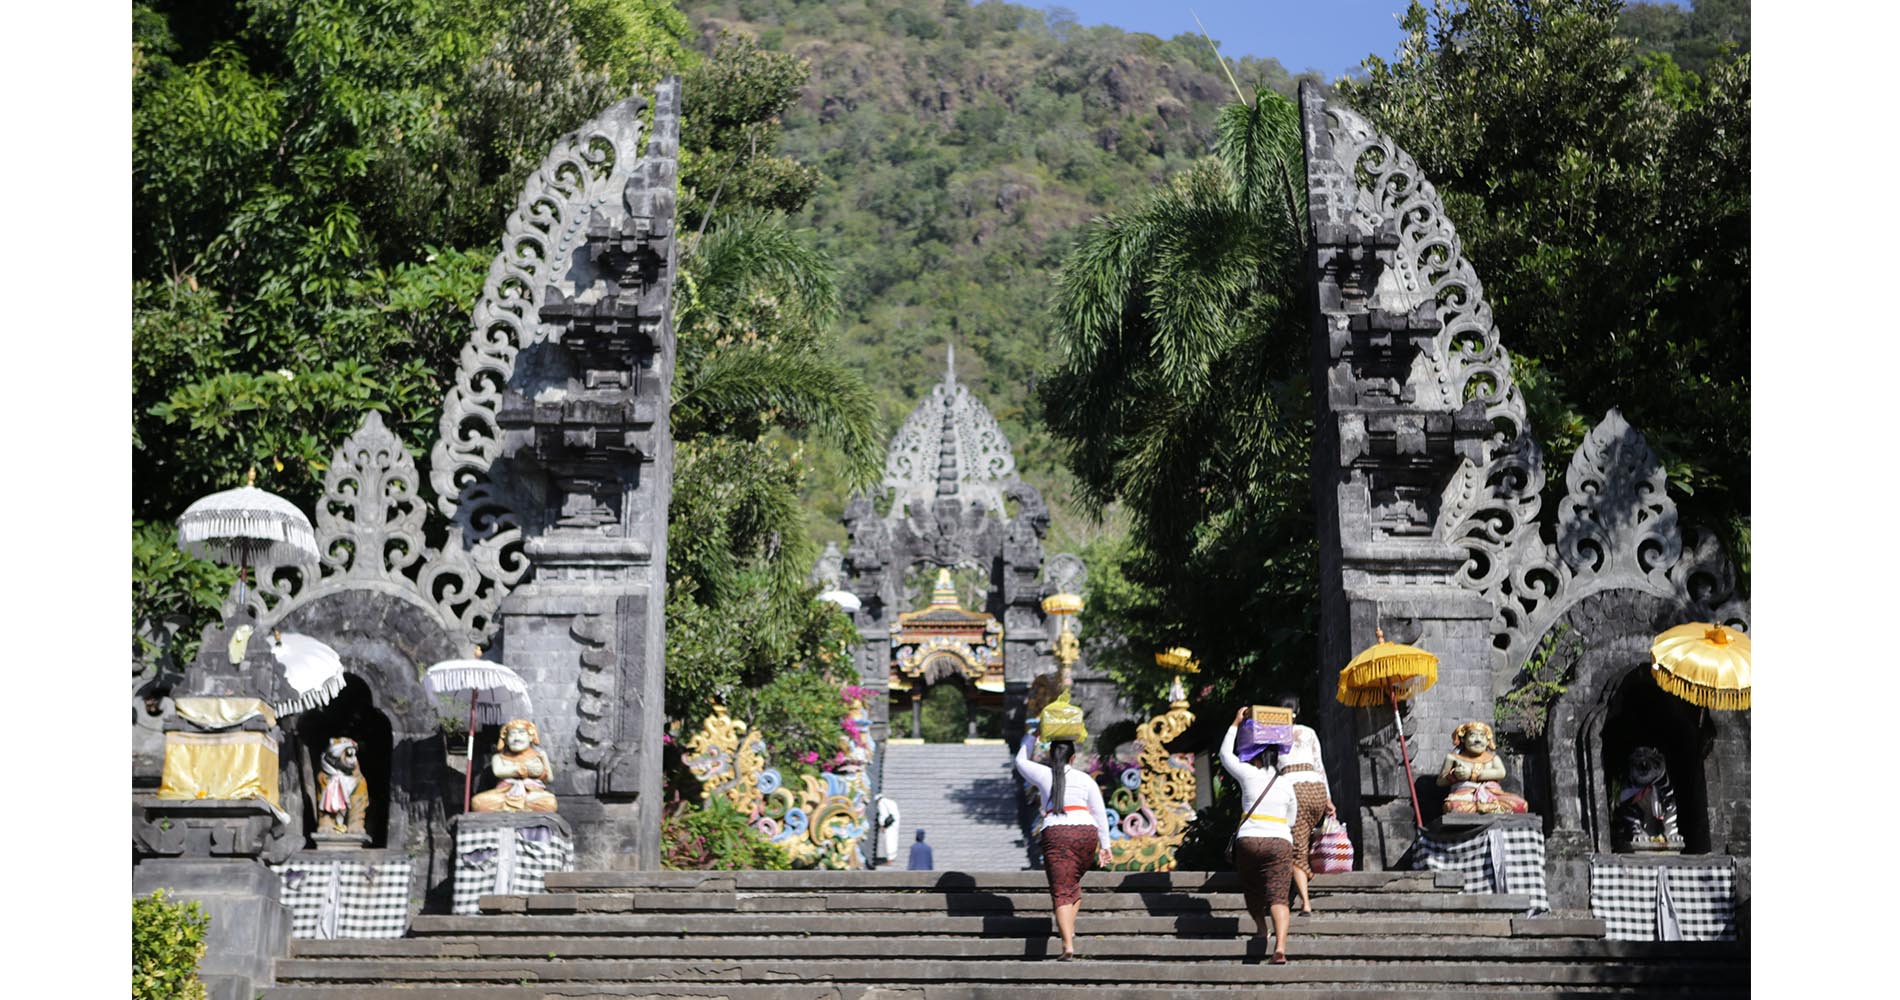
{"x":666,"y":737}
{"x":811,"y":757}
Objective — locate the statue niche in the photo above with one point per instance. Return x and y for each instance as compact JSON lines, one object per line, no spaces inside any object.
{"x":357,"y":766}
{"x":1645,"y":817}
{"x":342,"y":792}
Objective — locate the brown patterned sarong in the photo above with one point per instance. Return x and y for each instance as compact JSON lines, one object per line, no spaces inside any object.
{"x":1067,"y":852}
{"x":1311,"y":796}
{"x":1265,"y":866}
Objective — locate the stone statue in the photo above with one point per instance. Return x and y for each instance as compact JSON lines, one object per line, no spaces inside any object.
{"x":1473,"y":771}
{"x":342,"y":794}
{"x":521,"y":773}
{"x":1645,"y":818}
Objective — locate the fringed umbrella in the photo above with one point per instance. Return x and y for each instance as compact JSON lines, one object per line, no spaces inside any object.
{"x":494,"y":691}
{"x":1704,"y":664}
{"x":1388,"y":672}
{"x":246,"y":526}
{"x":313,"y":670}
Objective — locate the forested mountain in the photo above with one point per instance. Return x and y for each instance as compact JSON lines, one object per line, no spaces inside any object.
{"x":962,"y":146}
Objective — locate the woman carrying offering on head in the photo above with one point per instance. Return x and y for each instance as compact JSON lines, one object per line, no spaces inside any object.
{"x":1306,"y":771}
{"x":1263,"y":846}
{"x":1074,"y":834}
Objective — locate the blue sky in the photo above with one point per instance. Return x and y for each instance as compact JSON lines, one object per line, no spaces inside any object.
{"x":1331,"y":36}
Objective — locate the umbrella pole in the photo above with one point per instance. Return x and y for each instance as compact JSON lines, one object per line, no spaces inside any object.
{"x":1411,"y":784}
{"x":468,"y":777}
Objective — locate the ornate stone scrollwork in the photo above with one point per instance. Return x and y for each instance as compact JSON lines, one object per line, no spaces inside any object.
{"x":1616,"y":530}
{"x":1369,"y":184}
{"x":949,"y":445}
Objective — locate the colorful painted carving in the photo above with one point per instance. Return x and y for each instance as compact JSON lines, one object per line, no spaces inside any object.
{"x":521,"y":773}
{"x":820,"y":824}
{"x":342,"y":794}
{"x":1473,"y":771}
{"x":1149,"y":806}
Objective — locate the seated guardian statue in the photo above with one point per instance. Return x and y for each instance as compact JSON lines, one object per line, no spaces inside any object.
{"x":521,"y":772}
{"x":1473,"y":771}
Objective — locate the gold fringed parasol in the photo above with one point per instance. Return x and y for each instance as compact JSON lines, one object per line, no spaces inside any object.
{"x":1387,"y":672}
{"x":1704,"y":664}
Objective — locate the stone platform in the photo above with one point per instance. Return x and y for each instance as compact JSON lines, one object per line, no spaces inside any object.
{"x":930,"y":935}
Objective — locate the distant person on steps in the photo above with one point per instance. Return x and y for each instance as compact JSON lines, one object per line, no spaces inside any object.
{"x":888,"y":819}
{"x":1263,"y":846}
{"x":920,"y":859}
{"x":1074,"y":833}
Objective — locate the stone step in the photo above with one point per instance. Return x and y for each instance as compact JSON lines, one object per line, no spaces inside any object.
{"x":966,"y":903}
{"x":941,"y":991}
{"x":984,"y":881}
{"x":1424,"y":945}
{"x":985,"y":925}
{"x":1023,"y":974}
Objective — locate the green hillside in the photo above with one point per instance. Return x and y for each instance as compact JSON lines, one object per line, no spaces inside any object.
{"x":961,"y":146}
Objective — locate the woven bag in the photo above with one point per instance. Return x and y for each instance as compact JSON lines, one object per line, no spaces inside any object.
{"x":1332,"y":848}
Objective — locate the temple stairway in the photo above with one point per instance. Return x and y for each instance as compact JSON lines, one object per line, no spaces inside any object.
{"x":950,"y":935}
{"x":963,"y":796}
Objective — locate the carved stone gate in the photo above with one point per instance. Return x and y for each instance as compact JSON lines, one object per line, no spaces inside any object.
{"x":1428,"y":485}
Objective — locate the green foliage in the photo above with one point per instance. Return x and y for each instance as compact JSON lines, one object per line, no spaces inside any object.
{"x":715,"y":836}
{"x":316,"y":190}
{"x":1182,"y":397}
{"x":946,"y":714}
{"x":800,"y":714}
{"x":1204,"y":844}
{"x":1605,"y":203}
{"x":170,"y":591}
{"x":1525,"y":709}
{"x":958,"y":147}
{"x":168,"y":942}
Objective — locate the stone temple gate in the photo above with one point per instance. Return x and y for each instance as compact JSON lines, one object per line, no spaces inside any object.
{"x":949,"y":482}
{"x":539,"y":536}
{"x":1429,"y":488}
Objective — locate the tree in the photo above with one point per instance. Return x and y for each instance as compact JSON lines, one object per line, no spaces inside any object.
{"x":1604,"y":202}
{"x":1182,"y":397}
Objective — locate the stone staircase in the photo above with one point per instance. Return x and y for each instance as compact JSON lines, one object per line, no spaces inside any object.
{"x":951,"y":935}
{"x":963,"y":796}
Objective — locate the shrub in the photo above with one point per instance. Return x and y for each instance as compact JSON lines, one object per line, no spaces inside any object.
{"x":716,"y":837}
{"x":168,"y":940}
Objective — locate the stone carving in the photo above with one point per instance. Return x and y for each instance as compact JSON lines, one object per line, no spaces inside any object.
{"x":1616,"y":530}
{"x":1065,"y":573}
{"x":1473,"y":771}
{"x":948,"y":446}
{"x":521,"y":771}
{"x":1646,"y":807}
{"x":342,"y":793}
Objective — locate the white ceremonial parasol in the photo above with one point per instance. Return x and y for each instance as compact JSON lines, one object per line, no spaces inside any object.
{"x":247,"y":526}
{"x":313,"y":670}
{"x":495,"y":694}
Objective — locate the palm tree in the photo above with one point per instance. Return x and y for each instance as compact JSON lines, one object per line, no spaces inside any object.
{"x":1183,"y":397}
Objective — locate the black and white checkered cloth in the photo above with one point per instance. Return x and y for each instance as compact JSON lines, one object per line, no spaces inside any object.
{"x":1499,"y":859}
{"x":346,"y":899}
{"x":507,"y":860}
{"x":1664,"y":902}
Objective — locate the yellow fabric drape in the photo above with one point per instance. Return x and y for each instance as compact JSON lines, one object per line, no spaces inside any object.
{"x":229,"y":765}
{"x":222,"y":713}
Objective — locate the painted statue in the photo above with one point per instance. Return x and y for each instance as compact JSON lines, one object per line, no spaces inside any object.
{"x":1472,"y":772}
{"x":521,"y":773}
{"x":1645,"y":817}
{"x":342,"y":794}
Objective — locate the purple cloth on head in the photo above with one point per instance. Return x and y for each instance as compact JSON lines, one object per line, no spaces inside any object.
{"x":1255,"y":738}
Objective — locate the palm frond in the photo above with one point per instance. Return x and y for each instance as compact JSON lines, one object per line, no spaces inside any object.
{"x":757,"y":384}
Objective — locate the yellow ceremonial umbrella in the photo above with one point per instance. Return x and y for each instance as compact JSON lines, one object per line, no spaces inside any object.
{"x":1704,"y":664}
{"x":1388,"y":672}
